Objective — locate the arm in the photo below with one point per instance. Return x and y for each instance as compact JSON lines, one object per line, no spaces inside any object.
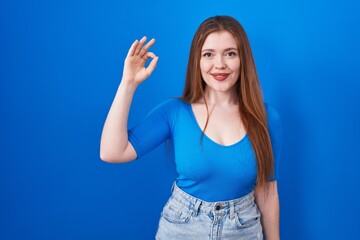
{"x":114,"y":146}
{"x":267,"y":201}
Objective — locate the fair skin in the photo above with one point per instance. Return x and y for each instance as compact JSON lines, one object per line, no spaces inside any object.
{"x":220,"y":69}
{"x":270,"y":210}
{"x":114,"y":145}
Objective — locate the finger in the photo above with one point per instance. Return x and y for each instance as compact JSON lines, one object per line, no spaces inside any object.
{"x":132,"y":48}
{"x":139,"y":46}
{"x":152,"y":64}
{"x":146,"y":47}
{"x":150,"y":55}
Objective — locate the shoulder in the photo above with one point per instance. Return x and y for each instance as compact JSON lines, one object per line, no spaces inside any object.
{"x":170,"y":104}
{"x":169,"y":108}
{"x":275,"y":132}
{"x":274,"y":123}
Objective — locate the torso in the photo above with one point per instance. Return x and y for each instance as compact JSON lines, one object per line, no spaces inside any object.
{"x":217,"y":166}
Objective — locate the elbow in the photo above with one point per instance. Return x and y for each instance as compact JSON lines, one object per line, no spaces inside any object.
{"x":108,"y":158}
{"x":113,"y":157}
{"x":114,"y":154}
{"x":109,"y":154}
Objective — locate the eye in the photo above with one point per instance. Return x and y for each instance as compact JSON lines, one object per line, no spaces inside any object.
{"x":231,"y":54}
{"x":207,"y":54}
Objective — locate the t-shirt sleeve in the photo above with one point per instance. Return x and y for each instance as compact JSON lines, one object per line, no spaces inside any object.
{"x":275,"y":131}
{"x":154,"y":129}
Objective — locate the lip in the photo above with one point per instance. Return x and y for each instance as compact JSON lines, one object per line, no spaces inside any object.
{"x":220,"y":76}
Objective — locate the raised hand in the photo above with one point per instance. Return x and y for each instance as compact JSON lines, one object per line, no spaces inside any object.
{"x":135,"y":71}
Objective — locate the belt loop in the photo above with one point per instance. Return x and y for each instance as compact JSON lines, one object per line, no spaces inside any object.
{"x":232,"y":210}
{"x":172,"y":187}
{"x":196,"y":207}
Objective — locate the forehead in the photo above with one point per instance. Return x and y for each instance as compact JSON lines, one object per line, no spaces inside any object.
{"x":219,"y":40}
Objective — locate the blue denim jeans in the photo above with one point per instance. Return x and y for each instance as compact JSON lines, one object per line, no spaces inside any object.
{"x":186,"y":217}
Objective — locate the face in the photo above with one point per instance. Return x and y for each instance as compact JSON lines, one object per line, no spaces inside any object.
{"x":220,"y":62}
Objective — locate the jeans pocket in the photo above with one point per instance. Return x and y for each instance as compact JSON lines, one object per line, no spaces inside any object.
{"x":174,"y":213}
{"x":248,"y":217}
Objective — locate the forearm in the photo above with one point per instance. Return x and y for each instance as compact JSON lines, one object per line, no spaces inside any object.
{"x":270,"y":212}
{"x":114,"y":138}
{"x":270,"y":222}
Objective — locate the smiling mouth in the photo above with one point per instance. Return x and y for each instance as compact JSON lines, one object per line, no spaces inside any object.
{"x":220,"y":76}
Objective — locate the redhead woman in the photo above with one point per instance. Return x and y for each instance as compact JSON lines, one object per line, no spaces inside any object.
{"x":226,"y":140}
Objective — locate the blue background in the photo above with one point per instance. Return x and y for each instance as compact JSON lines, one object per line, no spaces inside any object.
{"x":61,"y":63}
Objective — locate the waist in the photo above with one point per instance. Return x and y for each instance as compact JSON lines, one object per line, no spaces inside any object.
{"x":233,"y":205}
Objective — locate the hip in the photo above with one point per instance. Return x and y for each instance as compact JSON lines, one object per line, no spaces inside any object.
{"x":187,"y":217}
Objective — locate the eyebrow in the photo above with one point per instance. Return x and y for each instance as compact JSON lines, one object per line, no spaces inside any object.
{"x":225,"y":50}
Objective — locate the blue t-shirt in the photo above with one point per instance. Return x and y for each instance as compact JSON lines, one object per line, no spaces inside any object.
{"x":206,"y":169}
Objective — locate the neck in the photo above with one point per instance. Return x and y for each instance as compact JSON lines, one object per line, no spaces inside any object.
{"x":221,"y":98}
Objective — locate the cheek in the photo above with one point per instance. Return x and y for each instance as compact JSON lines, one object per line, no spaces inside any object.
{"x":235,"y":67}
{"x":205,"y":66}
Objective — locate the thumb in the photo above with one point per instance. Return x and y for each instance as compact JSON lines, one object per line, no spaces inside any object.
{"x":152,"y":64}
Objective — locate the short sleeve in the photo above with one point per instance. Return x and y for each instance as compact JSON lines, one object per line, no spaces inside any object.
{"x":154,"y":129}
{"x":275,"y":131}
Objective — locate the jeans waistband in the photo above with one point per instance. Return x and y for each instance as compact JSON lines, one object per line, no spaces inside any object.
{"x":221,"y":207}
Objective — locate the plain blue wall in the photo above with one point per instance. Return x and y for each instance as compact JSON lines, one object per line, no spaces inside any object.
{"x":61,"y":62}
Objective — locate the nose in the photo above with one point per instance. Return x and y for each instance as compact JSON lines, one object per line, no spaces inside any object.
{"x":219,"y":63}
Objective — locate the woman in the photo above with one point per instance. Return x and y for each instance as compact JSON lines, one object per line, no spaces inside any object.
{"x":226,"y":140}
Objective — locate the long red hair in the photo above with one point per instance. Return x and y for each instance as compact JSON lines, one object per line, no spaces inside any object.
{"x":251,"y":105}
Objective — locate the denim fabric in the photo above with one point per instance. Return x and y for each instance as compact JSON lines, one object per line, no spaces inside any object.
{"x":185,"y":217}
